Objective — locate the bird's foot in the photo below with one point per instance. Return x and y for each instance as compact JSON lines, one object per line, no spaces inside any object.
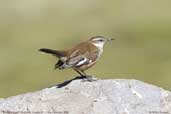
{"x":89,"y":79}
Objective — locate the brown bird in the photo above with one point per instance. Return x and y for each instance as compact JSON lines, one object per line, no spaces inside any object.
{"x":80,"y":57}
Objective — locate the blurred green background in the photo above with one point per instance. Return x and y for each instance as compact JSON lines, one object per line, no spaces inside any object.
{"x":142,"y":49}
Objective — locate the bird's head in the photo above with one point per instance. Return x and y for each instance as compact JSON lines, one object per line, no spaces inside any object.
{"x":99,"y":41}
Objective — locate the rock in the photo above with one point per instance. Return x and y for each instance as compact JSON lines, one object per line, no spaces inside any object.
{"x":119,"y":96}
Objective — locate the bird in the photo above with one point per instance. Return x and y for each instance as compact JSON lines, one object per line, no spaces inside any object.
{"x":81,"y":56}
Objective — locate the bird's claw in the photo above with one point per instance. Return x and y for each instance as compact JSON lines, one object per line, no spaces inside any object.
{"x":89,"y":79}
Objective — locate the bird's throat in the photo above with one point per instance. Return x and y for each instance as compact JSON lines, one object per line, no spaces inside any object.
{"x":100,"y":47}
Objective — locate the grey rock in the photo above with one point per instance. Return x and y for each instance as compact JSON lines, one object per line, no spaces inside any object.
{"x":119,"y":96}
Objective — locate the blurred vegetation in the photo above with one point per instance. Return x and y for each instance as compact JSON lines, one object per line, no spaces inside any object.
{"x":142,"y":49}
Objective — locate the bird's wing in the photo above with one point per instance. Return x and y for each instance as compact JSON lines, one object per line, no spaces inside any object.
{"x":87,"y":58}
{"x":83,"y":54}
{"x":77,"y":60}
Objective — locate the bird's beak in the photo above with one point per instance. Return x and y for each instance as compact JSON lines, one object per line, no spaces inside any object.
{"x":110,"y":39}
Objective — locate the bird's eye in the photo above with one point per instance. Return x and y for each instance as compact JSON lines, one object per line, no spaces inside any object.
{"x":101,"y":40}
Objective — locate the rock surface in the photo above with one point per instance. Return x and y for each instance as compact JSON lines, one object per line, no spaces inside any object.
{"x":119,"y":96}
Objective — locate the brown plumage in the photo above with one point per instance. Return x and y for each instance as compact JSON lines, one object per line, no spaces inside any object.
{"x":81,"y":57}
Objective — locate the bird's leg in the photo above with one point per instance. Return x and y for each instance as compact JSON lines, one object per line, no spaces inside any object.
{"x":84,"y":76}
{"x":88,"y":78}
{"x":83,"y":73}
{"x":80,"y":73}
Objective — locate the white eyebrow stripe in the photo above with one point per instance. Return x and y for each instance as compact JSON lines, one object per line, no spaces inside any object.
{"x":81,"y":62}
{"x":97,"y":39}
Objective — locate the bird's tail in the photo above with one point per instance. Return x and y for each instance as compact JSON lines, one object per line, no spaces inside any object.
{"x":53,"y":52}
